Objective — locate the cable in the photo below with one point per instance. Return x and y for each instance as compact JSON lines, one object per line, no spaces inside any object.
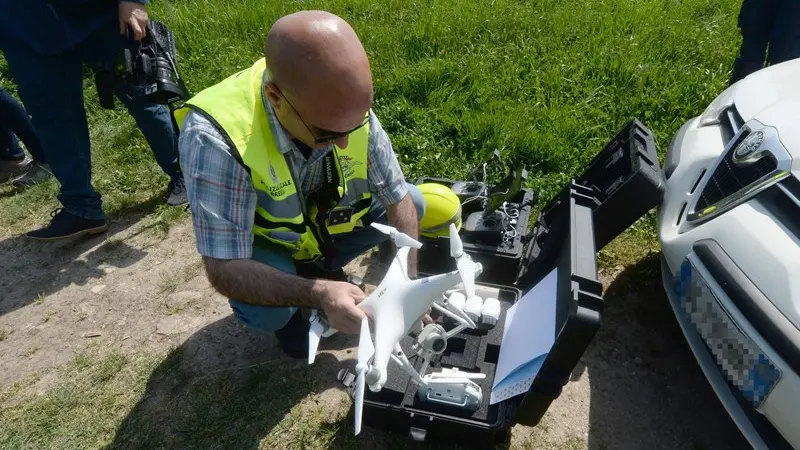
{"x":472,"y":198}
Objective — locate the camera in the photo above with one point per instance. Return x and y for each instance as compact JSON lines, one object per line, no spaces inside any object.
{"x":150,"y":63}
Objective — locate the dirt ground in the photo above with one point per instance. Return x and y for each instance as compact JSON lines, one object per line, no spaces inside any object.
{"x":134,"y":290}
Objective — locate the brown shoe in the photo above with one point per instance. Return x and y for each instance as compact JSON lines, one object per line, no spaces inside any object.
{"x":11,"y":168}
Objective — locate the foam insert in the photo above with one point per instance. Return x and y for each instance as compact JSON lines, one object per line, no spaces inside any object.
{"x":472,"y":350}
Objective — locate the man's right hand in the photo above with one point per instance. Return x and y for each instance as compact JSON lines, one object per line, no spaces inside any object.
{"x":133,"y":14}
{"x":339,"y":300}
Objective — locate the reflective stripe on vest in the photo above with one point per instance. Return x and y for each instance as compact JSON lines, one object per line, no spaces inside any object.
{"x":236,"y":107}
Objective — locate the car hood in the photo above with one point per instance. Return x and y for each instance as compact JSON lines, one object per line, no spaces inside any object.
{"x":767,"y":87}
{"x":772,"y":96}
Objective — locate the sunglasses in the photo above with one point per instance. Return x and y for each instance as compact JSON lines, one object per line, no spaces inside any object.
{"x":323,"y":136}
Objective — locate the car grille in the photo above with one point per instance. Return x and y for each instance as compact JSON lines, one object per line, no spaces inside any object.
{"x":728,"y":179}
{"x":730,"y":183}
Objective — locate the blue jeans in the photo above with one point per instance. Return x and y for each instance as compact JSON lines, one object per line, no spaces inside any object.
{"x":767,"y":24}
{"x":51,"y":87}
{"x":348,"y":246}
{"x":15,"y":123}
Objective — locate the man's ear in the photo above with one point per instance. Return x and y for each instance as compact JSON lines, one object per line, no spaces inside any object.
{"x":273,"y":95}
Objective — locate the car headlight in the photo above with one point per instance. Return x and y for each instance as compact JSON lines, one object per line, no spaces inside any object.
{"x":711,"y":116}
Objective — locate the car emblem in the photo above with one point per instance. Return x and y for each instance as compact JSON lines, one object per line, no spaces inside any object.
{"x":748,"y":147}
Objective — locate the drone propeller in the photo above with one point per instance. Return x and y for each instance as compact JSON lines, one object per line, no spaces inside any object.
{"x":318,"y":329}
{"x":465,"y":264}
{"x":315,"y":331}
{"x":399,"y":238}
{"x":365,"y":352}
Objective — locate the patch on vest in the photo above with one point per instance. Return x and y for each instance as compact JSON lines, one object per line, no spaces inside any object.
{"x":272,"y":174}
{"x":348,"y":165}
{"x":277,"y":191}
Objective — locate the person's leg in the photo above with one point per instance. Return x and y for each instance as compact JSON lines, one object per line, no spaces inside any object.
{"x":755,"y":23}
{"x":784,"y":43}
{"x":12,"y":158}
{"x":351,"y":245}
{"x":156,"y":125}
{"x":10,"y":149}
{"x":154,"y":120}
{"x":17,"y":123}
{"x":286,"y":322}
{"x":59,"y":118}
{"x":14,"y":116}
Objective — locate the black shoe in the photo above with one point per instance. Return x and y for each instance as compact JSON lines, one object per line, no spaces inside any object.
{"x":294,"y":337}
{"x":35,"y":174}
{"x":177,"y":192}
{"x":65,"y":225}
{"x":12,"y":168}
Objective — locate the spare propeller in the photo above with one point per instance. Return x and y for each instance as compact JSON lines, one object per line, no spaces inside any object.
{"x":465,"y":264}
{"x":365,"y":352}
{"x":399,"y":238}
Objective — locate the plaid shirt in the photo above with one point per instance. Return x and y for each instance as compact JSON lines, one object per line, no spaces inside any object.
{"x":221,"y":193}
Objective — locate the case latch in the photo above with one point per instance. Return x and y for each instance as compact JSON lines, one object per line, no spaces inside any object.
{"x":418,"y":434}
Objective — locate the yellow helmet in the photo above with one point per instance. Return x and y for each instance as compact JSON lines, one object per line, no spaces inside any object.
{"x":442,"y":207}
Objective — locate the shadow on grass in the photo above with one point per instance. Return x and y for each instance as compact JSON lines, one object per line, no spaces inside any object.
{"x":29,"y":269}
{"x":647,"y":391}
{"x":229,"y":387}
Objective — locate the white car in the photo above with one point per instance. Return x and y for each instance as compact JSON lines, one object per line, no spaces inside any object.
{"x":729,"y":229}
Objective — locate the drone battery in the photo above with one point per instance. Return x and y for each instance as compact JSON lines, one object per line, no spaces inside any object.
{"x":491,"y":311}
{"x":474,"y":307}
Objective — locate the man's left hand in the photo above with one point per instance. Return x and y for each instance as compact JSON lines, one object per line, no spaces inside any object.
{"x":134,"y":15}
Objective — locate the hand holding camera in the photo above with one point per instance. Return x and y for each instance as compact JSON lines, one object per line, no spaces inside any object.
{"x":133,"y":15}
{"x":147,"y":58}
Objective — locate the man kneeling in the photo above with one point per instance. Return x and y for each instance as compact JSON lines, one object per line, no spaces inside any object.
{"x":285,"y":167}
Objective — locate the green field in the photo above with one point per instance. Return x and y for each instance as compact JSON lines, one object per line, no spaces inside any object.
{"x":547,"y":82}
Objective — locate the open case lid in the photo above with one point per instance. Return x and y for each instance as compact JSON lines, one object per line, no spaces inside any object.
{"x":563,"y":237}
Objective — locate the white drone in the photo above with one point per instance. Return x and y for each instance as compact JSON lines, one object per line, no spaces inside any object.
{"x":397,"y":307}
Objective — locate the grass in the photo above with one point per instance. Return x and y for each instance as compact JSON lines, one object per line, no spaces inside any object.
{"x":3,"y":334}
{"x":83,"y":409}
{"x":454,"y":81}
{"x":105,"y":401}
{"x":171,"y":309}
{"x":547,"y":82}
{"x":170,"y":282}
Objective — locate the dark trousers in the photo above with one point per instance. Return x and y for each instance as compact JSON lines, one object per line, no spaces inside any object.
{"x":770,"y":33}
{"x":51,"y":87}
{"x":15,"y":125}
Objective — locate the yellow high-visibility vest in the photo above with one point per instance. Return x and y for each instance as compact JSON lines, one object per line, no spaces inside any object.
{"x":236,"y":107}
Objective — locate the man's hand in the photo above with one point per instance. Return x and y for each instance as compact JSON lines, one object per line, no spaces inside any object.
{"x":339,"y":300}
{"x":135,"y":15}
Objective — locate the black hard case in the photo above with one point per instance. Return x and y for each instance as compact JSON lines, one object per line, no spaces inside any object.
{"x":626,"y":181}
{"x":620,"y":185}
{"x":578,"y":317}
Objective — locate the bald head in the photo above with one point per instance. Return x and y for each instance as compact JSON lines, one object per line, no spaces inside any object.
{"x":316,"y":59}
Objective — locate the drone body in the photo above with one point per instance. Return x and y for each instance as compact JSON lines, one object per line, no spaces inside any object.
{"x":396,"y":307}
{"x":399,"y":303}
